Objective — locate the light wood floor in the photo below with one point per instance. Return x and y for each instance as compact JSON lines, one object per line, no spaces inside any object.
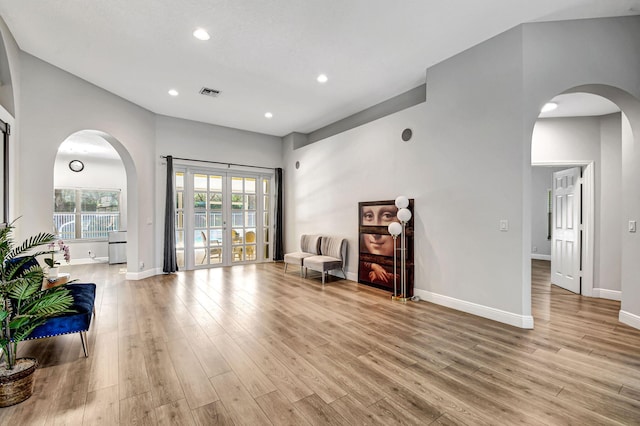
{"x":250,"y":345}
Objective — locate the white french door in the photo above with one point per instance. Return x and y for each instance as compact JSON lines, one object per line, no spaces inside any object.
{"x":227,"y":219}
{"x":565,"y":240}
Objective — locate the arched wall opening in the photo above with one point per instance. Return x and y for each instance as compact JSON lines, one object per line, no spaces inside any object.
{"x":627,"y":246}
{"x":107,"y":177}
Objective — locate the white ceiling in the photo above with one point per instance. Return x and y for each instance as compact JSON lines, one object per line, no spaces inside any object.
{"x":265,"y":55}
{"x":87,"y":144}
{"x":579,"y":105}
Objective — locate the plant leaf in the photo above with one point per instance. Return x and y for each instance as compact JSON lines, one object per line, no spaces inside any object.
{"x":32,"y":242}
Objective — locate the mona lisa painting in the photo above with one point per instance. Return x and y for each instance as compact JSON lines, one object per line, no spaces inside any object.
{"x":376,"y":248}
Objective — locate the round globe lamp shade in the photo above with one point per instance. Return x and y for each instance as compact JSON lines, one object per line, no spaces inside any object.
{"x":402,"y":202}
{"x":404,"y":215}
{"x":395,"y":229}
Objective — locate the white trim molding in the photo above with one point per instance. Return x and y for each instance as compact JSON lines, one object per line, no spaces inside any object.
{"x":88,"y":260}
{"x":537,"y":256}
{"x":521,"y":321}
{"x":135,"y":276}
{"x":605,"y":293}
{"x":630,"y":319}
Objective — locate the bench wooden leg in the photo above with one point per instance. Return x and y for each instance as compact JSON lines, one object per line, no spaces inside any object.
{"x":85,"y":343}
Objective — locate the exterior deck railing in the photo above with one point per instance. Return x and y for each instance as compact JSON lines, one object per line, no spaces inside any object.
{"x":92,"y":225}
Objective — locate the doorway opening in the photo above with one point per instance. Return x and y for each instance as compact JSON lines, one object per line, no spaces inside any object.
{"x":90,"y":198}
{"x":576,"y":163}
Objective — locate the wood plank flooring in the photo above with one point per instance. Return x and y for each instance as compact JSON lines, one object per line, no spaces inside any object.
{"x":250,"y":345}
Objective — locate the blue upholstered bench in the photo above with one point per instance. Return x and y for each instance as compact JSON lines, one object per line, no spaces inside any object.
{"x":78,"y":321}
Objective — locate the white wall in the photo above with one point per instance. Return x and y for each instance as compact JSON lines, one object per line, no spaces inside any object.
{"x":630,"y":309}
{"x":609,"y":269}
{"x":463,"y":167}
{"x":541,"y":178}
{"x":362,"y":164}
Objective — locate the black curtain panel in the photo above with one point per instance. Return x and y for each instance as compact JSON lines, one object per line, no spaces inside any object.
{"x":170,"y":260}
{"x":278,"y":252}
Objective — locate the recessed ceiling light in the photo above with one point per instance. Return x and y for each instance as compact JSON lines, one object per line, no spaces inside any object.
{"x":268,"y":115}
{"x":173,"y":92}
{"x":549,"y":106}
{"x":322,"y":78}
{"x":201,"y":34}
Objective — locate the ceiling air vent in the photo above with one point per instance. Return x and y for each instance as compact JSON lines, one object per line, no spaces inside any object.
{"x":209,"y":92}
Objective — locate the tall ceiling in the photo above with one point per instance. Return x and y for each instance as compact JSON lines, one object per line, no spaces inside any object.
{"x":265,"y":55}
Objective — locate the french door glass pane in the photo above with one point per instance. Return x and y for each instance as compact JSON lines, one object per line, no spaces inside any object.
{"x":207,"y":219}
{"x":236,"y":184}
{"x":179,"y":224}
{"x":266,"y":226}
{"x":200,"y":182}
{"x":250,"y":186}
{"x":180,"y":248}
{"x":215,"y":183}
{"x":243,"y":220}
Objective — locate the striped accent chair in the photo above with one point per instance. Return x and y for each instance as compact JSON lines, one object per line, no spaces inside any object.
{"x":309,"y":246}
{"x":333,"y":253}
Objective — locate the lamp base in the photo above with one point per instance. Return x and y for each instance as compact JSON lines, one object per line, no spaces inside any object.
{"x":400,"y":298}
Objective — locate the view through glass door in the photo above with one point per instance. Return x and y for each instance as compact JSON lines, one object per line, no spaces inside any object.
{"x":228,"y":222}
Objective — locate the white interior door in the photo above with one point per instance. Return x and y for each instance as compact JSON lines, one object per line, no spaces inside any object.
{"x":565,"y":239}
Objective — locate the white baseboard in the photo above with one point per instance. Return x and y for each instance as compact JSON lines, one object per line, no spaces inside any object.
{"x":521,"y":321}
{"x":538,"y":256}
{"x":135,"y":276}
{"x":604,"y":293}
{"x":630,"y":319}
{"x":88,"y":260}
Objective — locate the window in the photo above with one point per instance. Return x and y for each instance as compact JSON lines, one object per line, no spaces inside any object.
{"x":86,"y":214}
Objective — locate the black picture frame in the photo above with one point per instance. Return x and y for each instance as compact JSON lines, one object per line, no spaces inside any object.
{"x":375,"y":245}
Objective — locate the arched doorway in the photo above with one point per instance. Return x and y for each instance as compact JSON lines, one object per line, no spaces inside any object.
{"x":94,"y":178}
{"x":612,"y":194}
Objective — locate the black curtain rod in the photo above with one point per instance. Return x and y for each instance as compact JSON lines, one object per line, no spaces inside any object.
{"x":219,"y":162}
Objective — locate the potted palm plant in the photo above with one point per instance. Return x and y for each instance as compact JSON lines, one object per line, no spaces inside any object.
{"x":23,"y":307}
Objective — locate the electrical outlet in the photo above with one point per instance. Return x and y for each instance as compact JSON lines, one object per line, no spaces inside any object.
{"x":141,"y":265}
{"x":534,"y":249}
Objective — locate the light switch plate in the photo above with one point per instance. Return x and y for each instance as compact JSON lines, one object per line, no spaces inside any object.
{"x":632,"y":226}
{"x":504,"y":225}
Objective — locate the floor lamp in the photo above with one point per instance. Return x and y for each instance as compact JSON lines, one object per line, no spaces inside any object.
{"x":404,"y":216}
{"x":395,"y":229}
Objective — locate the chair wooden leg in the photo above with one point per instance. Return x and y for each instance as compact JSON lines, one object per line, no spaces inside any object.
{"x":85,"y":343}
